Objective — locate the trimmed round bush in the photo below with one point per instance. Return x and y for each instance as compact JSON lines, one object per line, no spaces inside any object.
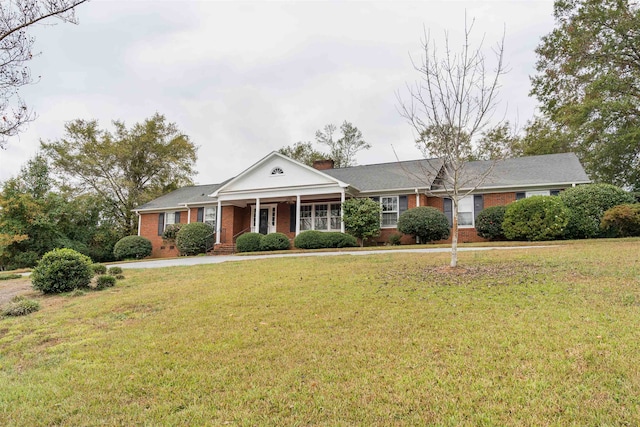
{"x":193,"y":239}
{"x":105,"y":281}
{"x":536,"y":218}
{"x":98,"y":269}
{"x":310,"y":239}
{"x":274,"y":242}
{"x":588,"y":204}
{"x":336,"y":239}
{"x":425,"y":222}
{"x":489,"y":223}
{"x":622,"y":220}
{"x":132,"y":247}
{"x":62,"y":270}
{"x":248,"y":242}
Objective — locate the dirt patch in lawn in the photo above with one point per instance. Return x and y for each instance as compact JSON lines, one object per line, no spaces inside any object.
{"x":13,"y":287}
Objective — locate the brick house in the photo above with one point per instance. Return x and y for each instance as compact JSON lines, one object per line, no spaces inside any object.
{"x":278,"y":194}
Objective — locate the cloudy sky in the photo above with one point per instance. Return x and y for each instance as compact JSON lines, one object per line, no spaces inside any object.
{"x":245,"y":78}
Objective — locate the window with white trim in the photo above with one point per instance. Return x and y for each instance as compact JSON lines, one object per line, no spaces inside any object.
{"x":389,"y":205}
{"x":321,"y":216}
{"x":210,"y":215}
{"x":169,"y":219}
{"x":465,"y":212}
{"x":538,"y":193}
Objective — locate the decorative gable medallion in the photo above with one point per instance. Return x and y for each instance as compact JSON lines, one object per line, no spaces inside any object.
{"x":277,"y":171}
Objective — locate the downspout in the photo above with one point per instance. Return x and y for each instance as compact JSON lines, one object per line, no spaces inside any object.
{"x":139,"y":222}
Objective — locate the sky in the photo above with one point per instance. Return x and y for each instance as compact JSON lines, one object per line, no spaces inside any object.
{"x":243,"y":79}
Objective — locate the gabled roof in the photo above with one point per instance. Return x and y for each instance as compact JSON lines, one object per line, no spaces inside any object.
{"x":257,"y":176}
{"x":549,"y":170}
{"x":180,"y":197}
{"x":530,"y":171}
{"x":389,"y":176}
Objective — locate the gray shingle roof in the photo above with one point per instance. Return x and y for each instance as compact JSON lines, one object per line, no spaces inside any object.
{"x":389,"y":176}
{"x":523,"y":172}
{"x":541,"y":170}
{"x":177,"y":198}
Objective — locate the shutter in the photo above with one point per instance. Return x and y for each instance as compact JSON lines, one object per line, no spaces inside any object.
{"x":403,"y":204}
{"x":520,"y":196}
{"x":292,"y":218}
{"x":448,"y":210}
{"x":160,"y":223}
{"x":177,"y":217}
{"x":555,"y":192}
{"x":478,"y":205}
{"x":200,"y":215}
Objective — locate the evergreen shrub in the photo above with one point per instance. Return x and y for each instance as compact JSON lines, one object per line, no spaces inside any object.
{"x":62,"y":270}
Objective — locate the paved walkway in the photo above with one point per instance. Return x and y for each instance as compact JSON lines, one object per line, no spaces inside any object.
{"x":217,"y":259}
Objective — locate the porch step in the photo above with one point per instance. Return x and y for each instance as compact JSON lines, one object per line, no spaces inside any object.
{"x":224,"y":249}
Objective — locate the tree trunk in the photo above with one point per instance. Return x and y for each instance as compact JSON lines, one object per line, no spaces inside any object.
{"x":454,"y":237}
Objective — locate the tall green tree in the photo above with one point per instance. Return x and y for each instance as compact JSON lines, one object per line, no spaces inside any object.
{"x":16,"y":50}
{"x":125,"y":168}
{"x":588,"y":83}
{"x":36,"y":217}
{"x":303,"y":152}
{"x":342,"y":150}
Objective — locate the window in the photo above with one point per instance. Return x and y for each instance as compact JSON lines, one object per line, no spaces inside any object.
{"x":306,"y":214}
{"x":321,"y":216}
{"x":210,"y":216}
{"x":336,"y":216}
{"x":465,"y":212}
{"x":538,"y":193}
{"x":389,"y":211}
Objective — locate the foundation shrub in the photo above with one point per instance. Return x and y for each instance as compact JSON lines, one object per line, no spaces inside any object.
{"x":310,"y":239}
{"x":489,"y":223}
{"x":425,"y":222}
{"x":62,"y":270}
{"x":274,"y":242}
{"x":536,"y":218}
{"x":622,"y":220}
{"x":132,"y":247}
{"x":248,"y":242}
{"x":335,"y":239}
{"x":588,"y":204}
{"x":194,"y":238}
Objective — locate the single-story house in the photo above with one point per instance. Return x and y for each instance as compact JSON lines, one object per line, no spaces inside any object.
{"x":278,"y":194}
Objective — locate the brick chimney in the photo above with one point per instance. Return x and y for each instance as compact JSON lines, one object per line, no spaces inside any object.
{"x":323,"y":164}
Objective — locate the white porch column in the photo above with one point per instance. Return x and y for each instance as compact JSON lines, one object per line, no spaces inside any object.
{"x":297,"y":214}
{"x":342,"y":197}
{"x":256,"y":218}
{"x":188,"y":215}
{"x":218,"y":222}
{"x":417,"y":198}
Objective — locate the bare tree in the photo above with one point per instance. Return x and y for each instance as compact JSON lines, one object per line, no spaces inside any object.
{"x":16,"y":16}
{"x":343,"y":151}
{"x":449,"y":107}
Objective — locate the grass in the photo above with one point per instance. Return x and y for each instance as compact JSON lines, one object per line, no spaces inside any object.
{"x":544,"y":336}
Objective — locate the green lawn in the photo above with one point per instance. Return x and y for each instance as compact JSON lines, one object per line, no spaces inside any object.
{"x":545,"y":336}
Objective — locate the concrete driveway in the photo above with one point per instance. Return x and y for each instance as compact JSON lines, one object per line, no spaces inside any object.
{"x":174,"y":262}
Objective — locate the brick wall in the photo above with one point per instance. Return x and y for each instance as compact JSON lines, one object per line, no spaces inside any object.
{"x":149,"y":229}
